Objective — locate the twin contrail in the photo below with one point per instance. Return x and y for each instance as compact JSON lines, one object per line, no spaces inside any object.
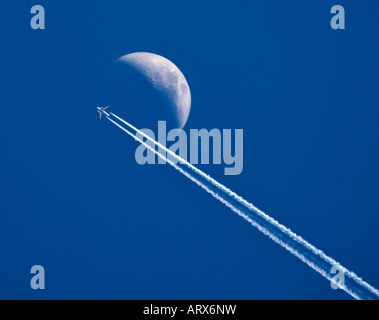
{"x":313,"y":257}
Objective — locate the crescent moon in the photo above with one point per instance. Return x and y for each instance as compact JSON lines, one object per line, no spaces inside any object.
{"x":166,"y":78}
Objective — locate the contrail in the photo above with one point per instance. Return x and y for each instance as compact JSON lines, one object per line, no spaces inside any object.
{"x":313,"y":257}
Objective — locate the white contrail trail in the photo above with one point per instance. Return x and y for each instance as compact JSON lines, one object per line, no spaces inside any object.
{"x":299,"y":247}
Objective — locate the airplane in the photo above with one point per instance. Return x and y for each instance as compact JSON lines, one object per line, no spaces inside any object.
{"x":101,"y":110}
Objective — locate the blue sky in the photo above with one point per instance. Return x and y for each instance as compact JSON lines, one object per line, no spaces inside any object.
{"x":73,"y":199}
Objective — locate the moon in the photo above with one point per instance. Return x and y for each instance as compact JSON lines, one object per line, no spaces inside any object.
{"x":166,"y":78}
